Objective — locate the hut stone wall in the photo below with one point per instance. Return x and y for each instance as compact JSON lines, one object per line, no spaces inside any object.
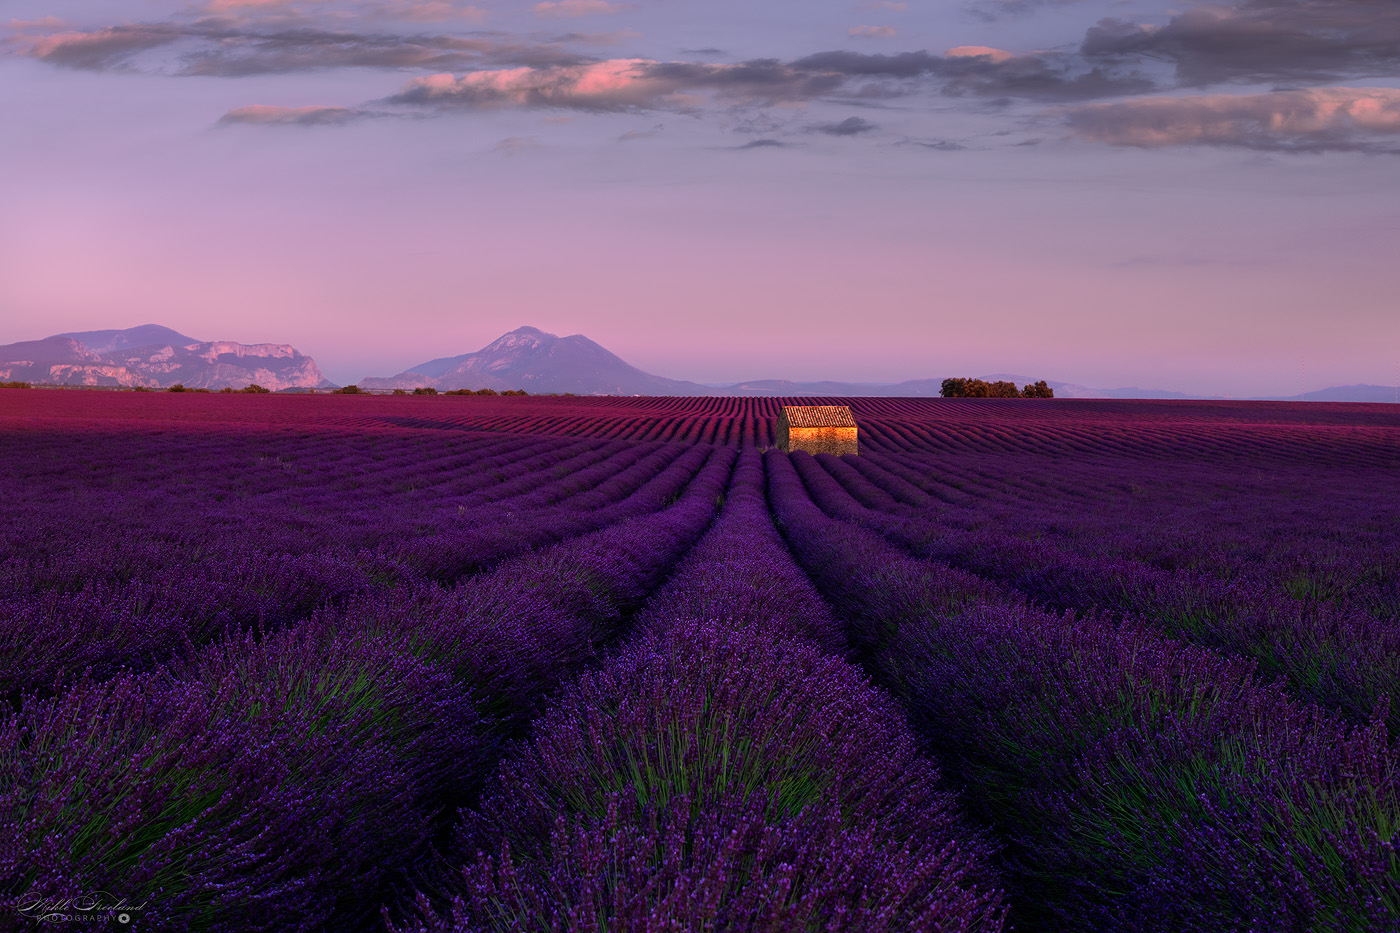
{"x":818,"y":430}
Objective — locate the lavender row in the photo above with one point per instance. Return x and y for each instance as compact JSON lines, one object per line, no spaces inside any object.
{"x":723,"y":772}
{"x":290,"y":783}
{"x":1141,"y":784}
{"x":1340,"y":657}
{"x":1319,"y":536}
{"x":581,"y":501}
{"x":108,"y":627}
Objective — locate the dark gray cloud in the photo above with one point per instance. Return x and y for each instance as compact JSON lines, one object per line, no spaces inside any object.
{"x":763,"y":144}
{"x":940,"y":145}
{"x":264,"y":115}
{"x":1261,"y":41}
{"x":851,"y":126}
{"x":986,"y":72}
{"x":1335,"y":119}
{"x":215,"y":47}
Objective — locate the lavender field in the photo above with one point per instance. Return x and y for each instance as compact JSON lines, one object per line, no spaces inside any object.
{"x":584,"y":664}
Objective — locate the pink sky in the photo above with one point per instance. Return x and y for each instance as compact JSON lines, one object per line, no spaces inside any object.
{"x":712,"y":193}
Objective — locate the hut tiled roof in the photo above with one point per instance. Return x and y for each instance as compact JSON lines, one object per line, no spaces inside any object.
{"x":819,"y":416}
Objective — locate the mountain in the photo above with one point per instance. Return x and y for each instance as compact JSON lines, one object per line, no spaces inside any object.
{"x":146,"y":335}
{"x":530,"y":359}
{"x":156,"y":357}
{"x":1362,"y":392}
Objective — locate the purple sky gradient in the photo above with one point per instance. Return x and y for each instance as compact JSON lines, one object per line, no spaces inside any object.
{"x":1107,"y":193}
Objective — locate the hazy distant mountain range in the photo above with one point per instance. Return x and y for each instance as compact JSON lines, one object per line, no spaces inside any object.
{"x":526,"y":358}
{"x":156,"y":357}
{"x":530,"y":359}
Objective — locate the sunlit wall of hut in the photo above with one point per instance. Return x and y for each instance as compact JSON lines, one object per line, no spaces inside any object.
{"x":818,"y":429}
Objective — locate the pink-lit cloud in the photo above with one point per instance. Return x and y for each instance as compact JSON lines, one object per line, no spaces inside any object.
{"x":1314,"y":119}
{"x":996,"y":56}
{"x":97,"y":49}
{"x":617,"y":84}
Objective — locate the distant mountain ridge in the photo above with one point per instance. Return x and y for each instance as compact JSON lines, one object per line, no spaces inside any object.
{"x":530,"y":359}
{"x":538,"y":362}
{"x":156,"y":357}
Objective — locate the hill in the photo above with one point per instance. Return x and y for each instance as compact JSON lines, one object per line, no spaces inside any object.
{"x":156,"y":357}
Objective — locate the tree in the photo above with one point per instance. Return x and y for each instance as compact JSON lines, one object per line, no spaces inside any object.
{"x":967,"y":387}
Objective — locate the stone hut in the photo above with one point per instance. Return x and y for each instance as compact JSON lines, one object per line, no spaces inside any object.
{"x":818,"y":429}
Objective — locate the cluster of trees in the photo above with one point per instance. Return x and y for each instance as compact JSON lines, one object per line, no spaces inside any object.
{"x":15,"y":385}
{"x":980,"y":388}
{"x":253,"y":389}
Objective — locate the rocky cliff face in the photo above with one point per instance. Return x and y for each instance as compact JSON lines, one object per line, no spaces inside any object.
{"x":118,"y":358}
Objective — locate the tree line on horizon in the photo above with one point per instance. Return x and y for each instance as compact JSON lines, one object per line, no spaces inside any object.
{"x":979,"y":388}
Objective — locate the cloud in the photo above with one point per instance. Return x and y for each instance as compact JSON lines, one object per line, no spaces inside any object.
{"x":872,"y":32}
{"x":762,"y":144}
{"x":995,"y":56}
{"x":481,"y":69}
{"x":571,"y":9}
{"x":639,"y":84}
{"x":215,"y":48}
{"x":1262,"y":40}
{"x":985,"y":72}
{"x":617,"y":84}
{"x":292,"y":116}
{"x":98,"y":49}
{"x":851,"y":126}
{"x":1311,"y":120}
